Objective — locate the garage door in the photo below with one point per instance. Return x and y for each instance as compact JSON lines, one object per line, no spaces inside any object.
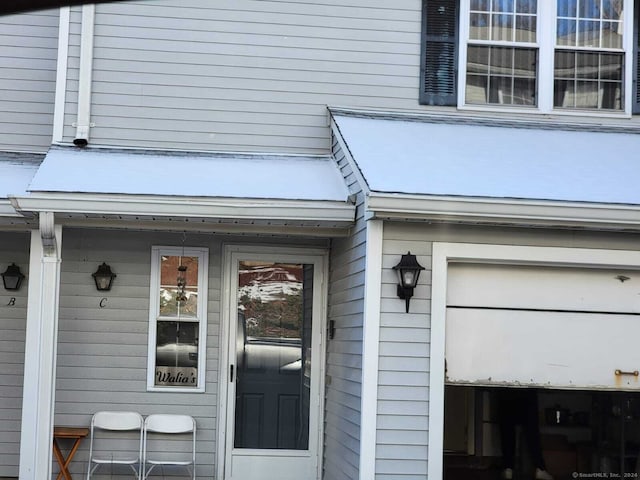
{"x":550,"y":327}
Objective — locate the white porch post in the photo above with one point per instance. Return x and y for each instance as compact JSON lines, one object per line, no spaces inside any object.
{"x":38,"y":396}
{"x":371,"y":343}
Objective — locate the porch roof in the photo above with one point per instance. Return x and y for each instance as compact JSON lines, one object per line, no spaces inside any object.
{"x":189,"y":174}
{"x":167,"y":189}
{"x":468,"y":169}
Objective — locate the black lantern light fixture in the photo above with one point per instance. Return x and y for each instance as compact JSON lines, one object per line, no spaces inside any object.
{"x":103,"y":277}
{"x":408,"y":272}
{"x":12,"y":277}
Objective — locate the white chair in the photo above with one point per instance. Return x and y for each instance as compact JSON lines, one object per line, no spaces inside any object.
{"x":99,"y":454}
{"x":158,"y":428}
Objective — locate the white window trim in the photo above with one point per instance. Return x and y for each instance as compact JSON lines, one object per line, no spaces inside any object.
{"x":445,"y":253}
{"x":545,"y":36}
{"x":154,"y":314}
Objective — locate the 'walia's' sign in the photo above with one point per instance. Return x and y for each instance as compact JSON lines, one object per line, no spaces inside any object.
{"x":176,"y":376}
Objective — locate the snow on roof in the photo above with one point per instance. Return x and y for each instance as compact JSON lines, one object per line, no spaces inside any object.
{"x":416,"y":157}
{"x":193,"y":175}
{"x":16,"y":171}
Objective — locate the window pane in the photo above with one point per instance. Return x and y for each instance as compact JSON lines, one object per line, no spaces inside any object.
{"x":587,"y":65}
{"x":479,"y":26}
{"x":566,"y":33}
{"x":612,"y":9}
{"x":567,"y":8}
{"x":524,"y":91}
{"x":589,"y":8}
{"x":502,"y":27}
{"x":503,"y":6}
{"x":563,"y":93}
{"x":524,"y":63}
{"x":611,"y":66}
{"x":612,"y":35}
{"x":478,"y":60}
{"x":588,"y":33}
{"x":176,"y":301}
{"x":565,"y":64}
{"x":480,"y":5}
{"x":177,"y":354}
{"x":525,"y":28}
{"x":476,"y":89}
{"x":611,"y":95}
{"x":586,"y":95}
{"x":526,"y":6}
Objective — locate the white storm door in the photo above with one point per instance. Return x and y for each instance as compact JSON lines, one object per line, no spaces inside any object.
{"x":275,"y":365}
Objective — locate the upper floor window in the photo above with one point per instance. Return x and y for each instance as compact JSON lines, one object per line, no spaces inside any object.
{"x":537,"y":55}
{"x":177,"y":319}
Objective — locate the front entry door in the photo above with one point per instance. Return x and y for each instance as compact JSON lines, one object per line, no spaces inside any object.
{"x":274,"y":365}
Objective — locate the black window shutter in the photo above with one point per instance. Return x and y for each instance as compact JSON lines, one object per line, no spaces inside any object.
{"x":438,"y":65}
{"x":636,"y":58}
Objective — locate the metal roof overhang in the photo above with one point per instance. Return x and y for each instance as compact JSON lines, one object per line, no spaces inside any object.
{"x":275,"y":194}
{"x":461,"y":170}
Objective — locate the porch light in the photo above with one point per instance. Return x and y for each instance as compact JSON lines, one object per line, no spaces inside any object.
{"x":12,"y":277}
{"x":408,"y":272}
{"x":103,"y":277}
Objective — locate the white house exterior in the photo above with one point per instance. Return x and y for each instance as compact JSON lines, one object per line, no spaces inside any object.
{"x":287,"y":154}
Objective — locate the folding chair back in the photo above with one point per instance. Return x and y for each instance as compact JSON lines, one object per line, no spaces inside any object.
{"x":114,"y":421}
{"x":162,"y":427}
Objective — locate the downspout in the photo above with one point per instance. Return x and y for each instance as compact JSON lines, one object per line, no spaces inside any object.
{"x":86,"y":69}
{"x":61,"y":74}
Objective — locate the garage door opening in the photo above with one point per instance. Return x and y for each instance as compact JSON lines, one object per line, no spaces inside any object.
{"x":582,"y":434}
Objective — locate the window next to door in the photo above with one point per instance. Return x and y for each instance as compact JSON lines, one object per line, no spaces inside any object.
{"x":541,"y":56}
{"x":177,"y":319}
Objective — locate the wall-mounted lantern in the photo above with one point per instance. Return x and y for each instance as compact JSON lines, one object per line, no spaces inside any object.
{"x":12,"y":277}
{"x":103,"y":277}
{"x":408,"y":272}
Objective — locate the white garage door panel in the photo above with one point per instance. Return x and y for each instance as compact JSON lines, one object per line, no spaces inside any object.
{"x":549,"y":349}
{"x":576,"y":289}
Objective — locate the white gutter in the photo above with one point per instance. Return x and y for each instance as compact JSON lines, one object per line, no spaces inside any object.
{"x":338,"y":213}
{"x":84,"y":82}
{"x":61,"y":74}
{"x":503,"y":211}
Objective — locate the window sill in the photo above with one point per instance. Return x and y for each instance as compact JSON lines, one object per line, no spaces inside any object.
{"x":533,"y":112}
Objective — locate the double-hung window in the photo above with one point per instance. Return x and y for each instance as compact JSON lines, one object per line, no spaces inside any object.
{"x":177,"y":319}
{"x":545,"y":56}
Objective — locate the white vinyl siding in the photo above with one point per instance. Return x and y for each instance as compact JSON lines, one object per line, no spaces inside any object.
{"x":243,"y":75}
{"x":344,"y":357}
{"x":13,"y":321}
{"x":28,"y":57}
{"x":403,"y":423}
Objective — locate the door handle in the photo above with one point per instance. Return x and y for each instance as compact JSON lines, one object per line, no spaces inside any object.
{"x":231,"y":373}
{"x":619,"y":372}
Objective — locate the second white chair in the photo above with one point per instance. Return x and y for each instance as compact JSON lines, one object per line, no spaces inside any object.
{"x":157,"y":429}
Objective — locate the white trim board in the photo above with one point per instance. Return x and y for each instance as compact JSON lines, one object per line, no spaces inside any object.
{"x":445,"y":253}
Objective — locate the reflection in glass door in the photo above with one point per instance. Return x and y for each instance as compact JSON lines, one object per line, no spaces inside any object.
{"x":273,"y":353}
{"x":274,"y":367}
